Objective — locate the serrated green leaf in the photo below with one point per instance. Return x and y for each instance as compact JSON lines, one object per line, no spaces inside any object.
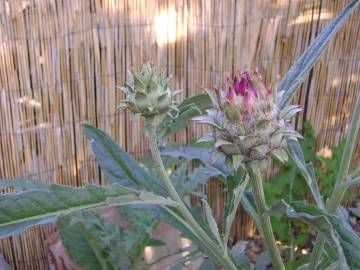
{"x":178,"y":123}
{"x":20,"y":211}
{"x":85,"y":237}
{"x":296,"y":75}
{"x":117,"y":165}
{"x":188,"y":109}
{"x":199,"y":176}
{"x":197,"y":153}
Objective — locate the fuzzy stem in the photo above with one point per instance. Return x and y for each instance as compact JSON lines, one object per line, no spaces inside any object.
{"x":265,"y":222}
{"x":340,"y":189}
{"x":200,"y":233}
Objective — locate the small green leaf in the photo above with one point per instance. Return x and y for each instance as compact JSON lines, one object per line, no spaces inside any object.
{"x":307,"y":170}
{"x":280,"y":154}
{"x":222,"y":143}
{"x":155,"y":243}
{"x":237,"y":253}
{"x":212,"y":222}
{"x":248,"y":203}
{"x":238,"y":161}
{"x":234,"y":197}
{"x":289,"y":111}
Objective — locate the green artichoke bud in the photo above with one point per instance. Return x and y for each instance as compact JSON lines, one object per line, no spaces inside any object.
{"x":248,"y":126}
{"x":148,"y":93}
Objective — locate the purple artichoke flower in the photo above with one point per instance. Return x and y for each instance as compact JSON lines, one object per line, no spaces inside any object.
{"x":248,"y":125}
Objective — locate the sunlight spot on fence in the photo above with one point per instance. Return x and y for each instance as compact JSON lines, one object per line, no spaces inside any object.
{"x":40,"y":127}
{"x":352,"y":78}
{"x":309,"y":16}
{"x":325,"y":152}
{"x":168,"y":28}
{"x":41,"y":59}
{"x":29,"y":102}
{"x":24,"y":4}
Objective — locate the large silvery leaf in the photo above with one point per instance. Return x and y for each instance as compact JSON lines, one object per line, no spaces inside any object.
{"x":342,"y":239}
{"x":21,"y":184}
{"x":117,"y":165}
{"x":189,"y":108}
{"x":205,"y":155}
{"x":20,"y":211}
{"x":199,"y":176}
{"x":296,"y":75}
{"x":307,"y":170}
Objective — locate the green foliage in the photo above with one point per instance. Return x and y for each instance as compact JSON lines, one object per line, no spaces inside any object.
{"x":339,"y":236}
{"x":86,"y":238}
{"x":94,"y":243}
{"x":288,"y":184}
{"x":188,"y":109}
{"x":328,"y":169}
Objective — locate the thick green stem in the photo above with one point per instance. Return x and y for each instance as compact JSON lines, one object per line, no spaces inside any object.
{"x":200,"y":233}
{"x":340,"y":189}
{"x":265,"y":222}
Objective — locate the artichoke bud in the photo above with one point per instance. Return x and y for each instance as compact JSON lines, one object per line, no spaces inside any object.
{"x":253,"y":129}
{"x":148,"y":93}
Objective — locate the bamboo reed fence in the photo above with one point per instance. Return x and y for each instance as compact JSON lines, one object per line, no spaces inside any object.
{"x":60,"y":61}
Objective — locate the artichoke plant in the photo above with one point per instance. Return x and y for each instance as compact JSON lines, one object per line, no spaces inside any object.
{"x":148,"y":93}
{"x":248,"y":126}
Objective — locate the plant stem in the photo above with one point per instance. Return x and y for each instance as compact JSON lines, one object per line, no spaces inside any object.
{"x":265,"y":222}
{"x":339,"y":189}
{"x":200,"y":233}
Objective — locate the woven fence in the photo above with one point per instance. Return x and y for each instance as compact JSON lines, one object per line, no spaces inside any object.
{"x":61,"y":59}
